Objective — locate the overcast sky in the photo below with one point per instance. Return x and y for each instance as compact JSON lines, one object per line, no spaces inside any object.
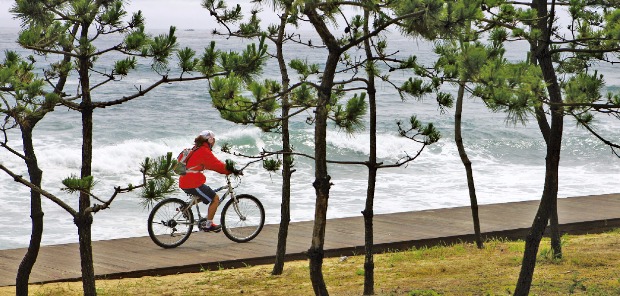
{"x":159,"y":14}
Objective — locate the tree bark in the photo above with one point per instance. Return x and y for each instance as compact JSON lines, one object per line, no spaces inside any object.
{"x":321,"y":185}
{"x":545,"y":208}
{"x":285,"y":216}
{"x":84,"y":224}
{"x":545,"y":130}
{"x":84,"y":220}
{"x":285,"y":207}
{"x":36,"y":176}
{"x":369,"y":265}
{"x":36,"y":214}
{"x":322,"y":179}
{"x":467,"y":163}
{"x":556,"y":239}
{"x":550,"y":191}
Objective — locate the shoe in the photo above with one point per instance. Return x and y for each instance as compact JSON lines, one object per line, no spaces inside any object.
{"x":212,"y":228}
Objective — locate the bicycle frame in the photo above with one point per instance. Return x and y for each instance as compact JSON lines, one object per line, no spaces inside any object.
{"x":195,"y":200}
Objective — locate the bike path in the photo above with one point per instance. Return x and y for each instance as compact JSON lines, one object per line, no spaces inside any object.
{"x":139,"y":256}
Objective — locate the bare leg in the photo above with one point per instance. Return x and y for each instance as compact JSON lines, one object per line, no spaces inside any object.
{"x":213,"y":207}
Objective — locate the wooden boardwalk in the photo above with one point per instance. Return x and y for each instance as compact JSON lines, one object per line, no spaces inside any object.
{"x":133,"y":257}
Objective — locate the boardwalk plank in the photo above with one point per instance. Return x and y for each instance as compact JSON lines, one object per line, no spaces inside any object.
{"x":344,"y":236}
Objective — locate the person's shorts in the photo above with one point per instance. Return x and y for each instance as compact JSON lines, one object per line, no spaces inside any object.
{"x":204,"y":191}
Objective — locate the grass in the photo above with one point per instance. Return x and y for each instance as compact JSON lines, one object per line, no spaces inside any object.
{"x":590,"y":267}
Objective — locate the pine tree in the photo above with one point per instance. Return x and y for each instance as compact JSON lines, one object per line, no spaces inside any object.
{"x":544,"y":85}
{"x":69,"y":30}
{"x":258,"y":108}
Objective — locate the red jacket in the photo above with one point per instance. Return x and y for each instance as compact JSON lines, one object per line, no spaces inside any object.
{"x":201,"y":159}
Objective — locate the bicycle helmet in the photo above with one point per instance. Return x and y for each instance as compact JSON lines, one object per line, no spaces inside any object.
{"x":207,"y":134}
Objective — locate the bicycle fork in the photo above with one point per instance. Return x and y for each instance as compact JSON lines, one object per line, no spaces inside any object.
{"x":233,"y":199}
{"x":235,"y":204}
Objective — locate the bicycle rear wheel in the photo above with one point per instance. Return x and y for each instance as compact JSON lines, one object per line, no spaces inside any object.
{"x":243,"y":220}
{"x":170,"y":223}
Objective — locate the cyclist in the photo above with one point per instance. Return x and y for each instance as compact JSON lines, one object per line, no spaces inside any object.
{"x":194,"y":181}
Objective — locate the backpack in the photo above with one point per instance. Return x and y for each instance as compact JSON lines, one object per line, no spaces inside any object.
{"x":181,"y":166}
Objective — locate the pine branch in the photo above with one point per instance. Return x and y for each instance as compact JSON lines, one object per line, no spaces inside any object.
{"x":36,"y":188}
{"x":13,"y":151}
{"x":612,"y":145}
{"x":404,"y":160}
{"x":141,"y":92}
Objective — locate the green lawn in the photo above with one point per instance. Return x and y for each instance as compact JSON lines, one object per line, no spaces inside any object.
{"x":591,"y":266}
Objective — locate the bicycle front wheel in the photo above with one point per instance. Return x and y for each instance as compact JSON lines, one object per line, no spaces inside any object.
{"x":170,"y":223}
{"x":243,"y":220}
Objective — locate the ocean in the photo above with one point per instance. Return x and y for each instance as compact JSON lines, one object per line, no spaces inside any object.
{"x":508,"y":159}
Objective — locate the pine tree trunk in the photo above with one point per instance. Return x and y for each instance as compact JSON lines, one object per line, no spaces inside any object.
{"x":84,"y":220}
{"x":321,"y":186}
{"x":285,"y":215}
{"x":322,"y":179}
{"x":545,"y":130}
{"x":550,"y":192}
{"x":556,"y":239}
{"x":84,"y":223}
{"x":543,"y":214}
{"x":36,"y":176}
{"x":285,"y":207}
{"x":369,"y":265}
{"x":36,"y":214}
{"x":467,"y":163}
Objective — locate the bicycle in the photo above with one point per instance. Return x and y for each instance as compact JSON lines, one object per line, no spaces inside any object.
{"x":171,"y":221}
